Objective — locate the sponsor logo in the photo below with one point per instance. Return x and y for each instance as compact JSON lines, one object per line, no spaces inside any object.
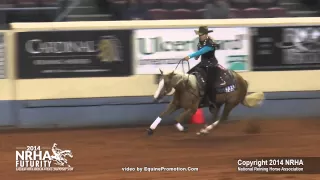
{"x":37,"y":158}
{"x":300,"y":45}
{"x":107,"y":49}
{"x":164,"y":48}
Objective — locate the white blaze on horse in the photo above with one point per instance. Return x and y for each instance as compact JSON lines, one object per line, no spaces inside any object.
{"x":160,"y":92}
{"x":230,"y":91}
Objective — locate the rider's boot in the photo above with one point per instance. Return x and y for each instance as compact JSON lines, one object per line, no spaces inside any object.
{"x":202,"y":92}
{"x":205,"y":98}
{"x":206,"y":101}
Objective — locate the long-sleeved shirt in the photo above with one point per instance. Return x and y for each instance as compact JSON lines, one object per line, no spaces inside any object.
{"x":202,"y":51}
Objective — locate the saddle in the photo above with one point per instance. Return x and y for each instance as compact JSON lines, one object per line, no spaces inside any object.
{"x":225,"y":82}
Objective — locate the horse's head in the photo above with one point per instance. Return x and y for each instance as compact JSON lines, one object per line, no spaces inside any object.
{"x":167,"y":84}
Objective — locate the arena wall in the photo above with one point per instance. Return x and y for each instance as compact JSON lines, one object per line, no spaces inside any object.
{"x":141,"y":110}
{"x":103,"y":101}
{"x":7,"y":85}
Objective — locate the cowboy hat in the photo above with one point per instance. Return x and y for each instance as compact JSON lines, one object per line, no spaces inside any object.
{"x":203,"y":30}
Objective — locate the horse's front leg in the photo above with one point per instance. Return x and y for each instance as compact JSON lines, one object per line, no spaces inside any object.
{"x":185,"y":114}
{"x":215,"y":121}
{"x":172,"y":107}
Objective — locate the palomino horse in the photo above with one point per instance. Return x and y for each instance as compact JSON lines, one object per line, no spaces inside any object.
{"x":230,"y":90}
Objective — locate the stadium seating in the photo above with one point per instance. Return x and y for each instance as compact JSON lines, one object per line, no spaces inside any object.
{"x":47,"y":10}
{"x":199,"y":13}
{"x":254,"y":13}
{"x":27,"y":3}
{"x":182,"y":14}
{"x":235,"y":13}
{"x":151,"y":4}
{"x":28,"y":10}
{"x":171,"y":4}
{"x":48,"y":3}
{"x":194,"y":9}
{"x":119,"y":4}
{"x":276,"y":12}
{"x":241,"y":4}
{"x":265,"y":3}
{"x":6,"y":3}
{"x":157,"y":14}
{"x":194,"y":4}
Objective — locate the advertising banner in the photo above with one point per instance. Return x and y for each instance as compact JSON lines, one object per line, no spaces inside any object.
{"x":74,"y":54}
{"x":163,"y":48}
{"x":285,"y":48}
{"x":2,"y":56}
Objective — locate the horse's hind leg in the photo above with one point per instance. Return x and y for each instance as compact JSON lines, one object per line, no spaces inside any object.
{"x":215,"y":113}
{"x":226,"y":111}
{"x":225,"y":114}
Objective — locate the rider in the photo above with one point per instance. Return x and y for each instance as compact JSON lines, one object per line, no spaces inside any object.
{"x":206,"y":49}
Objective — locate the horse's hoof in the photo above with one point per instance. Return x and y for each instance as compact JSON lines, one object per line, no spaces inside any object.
{"x":149,"y":131}
{"x":201,"y":134}
{"x":185,"y":129}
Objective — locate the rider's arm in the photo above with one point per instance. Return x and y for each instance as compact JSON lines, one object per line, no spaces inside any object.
{"x":202,"y":51}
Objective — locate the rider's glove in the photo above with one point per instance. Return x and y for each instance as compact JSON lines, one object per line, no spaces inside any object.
{"x":186,"y":58}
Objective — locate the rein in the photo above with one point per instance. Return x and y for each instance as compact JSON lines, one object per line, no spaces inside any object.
{"x":181,"y":60}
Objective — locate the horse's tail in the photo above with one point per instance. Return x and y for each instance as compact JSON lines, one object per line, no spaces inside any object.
{"x":253,"y":99}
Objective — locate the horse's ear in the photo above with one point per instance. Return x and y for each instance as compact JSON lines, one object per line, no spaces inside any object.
{"x":172,"y":73}
{"x":161,"y":71}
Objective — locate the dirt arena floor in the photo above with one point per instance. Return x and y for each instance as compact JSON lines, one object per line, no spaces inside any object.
{"x":100,"y":154}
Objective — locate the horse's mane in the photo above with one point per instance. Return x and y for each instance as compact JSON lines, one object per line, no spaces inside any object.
{"x":179,"y":73}
{"x":189,"y":77}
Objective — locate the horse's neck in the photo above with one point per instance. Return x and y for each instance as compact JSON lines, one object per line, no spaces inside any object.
{"x":186,"y":78}
{"x":177,"y":81}
{"x":192,"y":80}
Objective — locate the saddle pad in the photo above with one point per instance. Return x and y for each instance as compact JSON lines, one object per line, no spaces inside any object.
{"x":227,"y":89}
{"x":226,"y":82}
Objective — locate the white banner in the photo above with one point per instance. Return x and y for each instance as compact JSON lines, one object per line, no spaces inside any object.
{"x":163,"y":48}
